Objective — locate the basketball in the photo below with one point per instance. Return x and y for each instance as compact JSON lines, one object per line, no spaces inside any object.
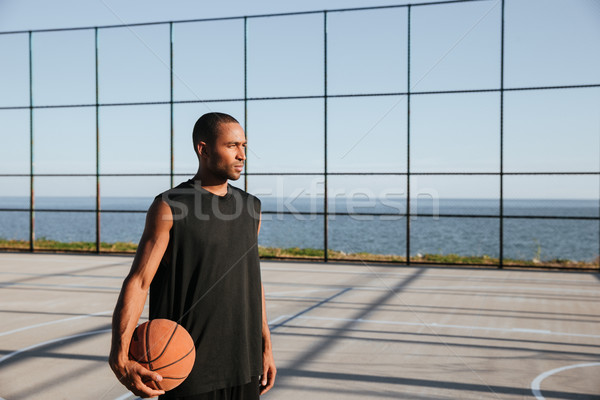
{"x":163,"y":346}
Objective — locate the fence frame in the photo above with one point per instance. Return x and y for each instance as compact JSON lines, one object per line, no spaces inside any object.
{"x":326,"y":173}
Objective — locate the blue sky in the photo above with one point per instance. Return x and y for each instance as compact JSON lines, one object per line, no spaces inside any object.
{"x":454,"y":47}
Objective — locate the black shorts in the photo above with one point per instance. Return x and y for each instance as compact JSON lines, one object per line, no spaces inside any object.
{"x":249,"y":391}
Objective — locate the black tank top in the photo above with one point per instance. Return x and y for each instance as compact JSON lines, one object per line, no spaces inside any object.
{"x":209,"y":282}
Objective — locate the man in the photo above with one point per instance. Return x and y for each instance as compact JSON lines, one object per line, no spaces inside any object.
{"x":198,"y":257}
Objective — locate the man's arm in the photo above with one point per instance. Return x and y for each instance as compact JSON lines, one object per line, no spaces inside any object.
{"x":269,"y":370}
{"x":130,"y":304}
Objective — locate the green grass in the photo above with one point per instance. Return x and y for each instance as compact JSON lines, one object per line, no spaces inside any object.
{"x":307,"y":253}
{"x":295,"y":252}
{"x":47,"y":244}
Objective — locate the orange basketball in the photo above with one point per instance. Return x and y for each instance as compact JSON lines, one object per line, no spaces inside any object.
{"x":163,"y":346}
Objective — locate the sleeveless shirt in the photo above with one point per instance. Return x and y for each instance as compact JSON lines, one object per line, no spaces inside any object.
{"x":209,"y":282}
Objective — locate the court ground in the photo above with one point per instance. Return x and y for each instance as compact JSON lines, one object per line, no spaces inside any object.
{"x":339,"y":331}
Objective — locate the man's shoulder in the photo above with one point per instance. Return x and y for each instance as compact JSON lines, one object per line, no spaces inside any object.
{"x":243,"y":193}
{"x":174,"y":193}
{"x":251,"y":201}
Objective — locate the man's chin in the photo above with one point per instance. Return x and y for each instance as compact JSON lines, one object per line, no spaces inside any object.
{"x":235,"y":176}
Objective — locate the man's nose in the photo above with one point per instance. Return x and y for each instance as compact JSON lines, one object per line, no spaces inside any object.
{"x":241,"y":154}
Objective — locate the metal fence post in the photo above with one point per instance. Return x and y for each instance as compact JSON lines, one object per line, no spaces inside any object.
{"x":501,"y":255}
{"x":246,"y":97}
{"x":325,"y":189}
{"x":97,"y":146}
{"x":31,"y":173}
{"x":171,"y":173}
{"x":408,"y":139}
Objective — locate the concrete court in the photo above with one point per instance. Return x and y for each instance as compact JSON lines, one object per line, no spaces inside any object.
{"x":339,"y":331}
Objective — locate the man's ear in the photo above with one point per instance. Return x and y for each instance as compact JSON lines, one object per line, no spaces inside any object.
{"x":202,"y":149}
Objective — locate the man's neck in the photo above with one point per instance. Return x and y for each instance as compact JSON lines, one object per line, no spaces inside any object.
{"x":215,"y":186}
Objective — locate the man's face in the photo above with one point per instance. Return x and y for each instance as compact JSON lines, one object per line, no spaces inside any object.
{"x":227,"y":154}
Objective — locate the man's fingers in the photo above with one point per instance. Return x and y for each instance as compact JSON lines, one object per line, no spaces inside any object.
{"x":148,"y":375}
{"x":265,"y":375}
{"x":265,"y":389}
{"x":268,"y":379}
{"x":142,"y":376}
{"x":143,"y":390}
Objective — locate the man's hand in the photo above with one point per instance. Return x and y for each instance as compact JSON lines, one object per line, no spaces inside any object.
{"x":267,"y":380}
{"x":269,"y":372}
{"x":132,"y":375}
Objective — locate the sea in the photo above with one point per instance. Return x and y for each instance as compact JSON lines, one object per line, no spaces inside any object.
{"x":289,"y":222}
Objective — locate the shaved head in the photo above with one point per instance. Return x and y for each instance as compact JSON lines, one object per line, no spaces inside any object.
{"x":206,"y":128}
